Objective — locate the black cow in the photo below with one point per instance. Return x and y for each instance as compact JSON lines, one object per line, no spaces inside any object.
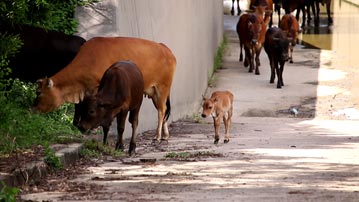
{"x":120,"y":91}
{"x":276,"y":46}
{"x":44,"y":52}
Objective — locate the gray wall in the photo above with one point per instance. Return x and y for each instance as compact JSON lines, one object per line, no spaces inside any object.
{"x":192,"y":29}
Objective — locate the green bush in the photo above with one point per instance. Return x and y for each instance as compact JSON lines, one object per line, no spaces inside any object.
{"x":21,"y":128}
{"x":8,"y":194}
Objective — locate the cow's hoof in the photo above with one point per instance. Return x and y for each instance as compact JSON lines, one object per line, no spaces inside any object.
{"x":216,"y":141}
{"x":132,"y":149}
{"x":155,"y":142}
{"x":257,"y":73}
{"x":271,"y":81}
{"x":119,"y":147}
{"x":279,"y":86}
{"x":291,"y":61}
{"x":226,"y":141}
{"x":164,"y":141}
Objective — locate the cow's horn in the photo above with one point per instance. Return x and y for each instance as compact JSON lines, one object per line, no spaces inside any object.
{"x":49,"y":83}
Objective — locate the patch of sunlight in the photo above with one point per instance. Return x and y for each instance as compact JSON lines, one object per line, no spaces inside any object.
{"x":330,"y":90}
{"x":325,"y":74}
{"x":342,"y":128}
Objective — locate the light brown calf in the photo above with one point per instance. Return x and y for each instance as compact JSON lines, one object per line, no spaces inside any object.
{"x":219,"y":106}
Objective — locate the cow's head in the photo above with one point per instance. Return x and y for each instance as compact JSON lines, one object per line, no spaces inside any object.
{"x":47,"y":96}
{"x":283,"y":47}
{"x":93,"y":112}
{"x":255,"y":25}
{"x":208,"y":107}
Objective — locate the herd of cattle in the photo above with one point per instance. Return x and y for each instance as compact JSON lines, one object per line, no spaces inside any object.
{"x":89,"y":73}
{"x":278,"y":42}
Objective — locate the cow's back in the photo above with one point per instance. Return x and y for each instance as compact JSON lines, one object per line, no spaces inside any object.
{"x":155,"y":61}
{"x":225,"y":100}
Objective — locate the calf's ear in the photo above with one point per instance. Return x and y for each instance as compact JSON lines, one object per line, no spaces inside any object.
{"x":203,"y":98}
{"x":216,"y":99}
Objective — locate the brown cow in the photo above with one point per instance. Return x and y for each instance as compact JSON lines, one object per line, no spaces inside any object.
{"x":290,"y":25}
{"x":219,"y":106}
{"x":120,"y":92}
{"x":155,"y":61}
{"x":251,"y":32}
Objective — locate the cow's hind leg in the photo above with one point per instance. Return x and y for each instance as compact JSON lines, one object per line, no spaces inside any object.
{"x":121,"y":118}
{"x":227,"y":124}
{"x":160,"y":102}
{"x":133,"y":119}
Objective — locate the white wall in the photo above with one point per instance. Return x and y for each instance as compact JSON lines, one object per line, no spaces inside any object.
{"x":192,"y":29}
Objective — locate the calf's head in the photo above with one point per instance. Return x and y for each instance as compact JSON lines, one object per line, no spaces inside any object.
{"x":93,"y":112}
{"x":208,"y":107}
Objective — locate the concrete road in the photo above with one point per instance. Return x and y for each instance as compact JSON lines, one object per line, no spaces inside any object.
{"x":272,"y":155}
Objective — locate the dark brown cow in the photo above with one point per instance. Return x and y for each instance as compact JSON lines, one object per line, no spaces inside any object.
{"x":83,"y":74}
{"x":276,"y":46}
{"x":44,"y":52}
{"x":120,"y":92}
{"x":290,"y":25}
{"x":238,"y":9}
{"x":251,"y":31}
{"x":291,"y":5}
{"x":317,"y":9}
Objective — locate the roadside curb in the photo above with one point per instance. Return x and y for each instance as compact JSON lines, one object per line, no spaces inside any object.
{"x":33,"y":172}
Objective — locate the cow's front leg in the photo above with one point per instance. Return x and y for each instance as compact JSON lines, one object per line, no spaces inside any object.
{"x":281,"y":69}
{"x":279,"y":85}
{"x":227,"y":123}
{"x":121,"y":119}
{"x":258,"y":62}
{"x":133,"y":119}
{"x":272,"y":75}
{"x":217,"y":124}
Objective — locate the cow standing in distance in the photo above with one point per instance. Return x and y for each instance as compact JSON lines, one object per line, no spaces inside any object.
{"x":290,"y":25}
{"x":219,"y":106}
{"x":155,"y":61}
{"x":120,"y":92}
{"x":251,"y":31}
{"x":264,"y":8}
{"x":276,"y":46}
{"x":238,"y":8}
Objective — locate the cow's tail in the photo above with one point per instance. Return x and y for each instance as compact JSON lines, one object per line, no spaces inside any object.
{"x":168,"y":109}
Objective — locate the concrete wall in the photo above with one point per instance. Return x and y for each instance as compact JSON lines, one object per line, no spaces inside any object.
{"x":192,"y":29}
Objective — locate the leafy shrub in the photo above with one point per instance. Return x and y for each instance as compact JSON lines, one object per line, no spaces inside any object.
{"x":21,"y":128}
{"x":8,"y":194}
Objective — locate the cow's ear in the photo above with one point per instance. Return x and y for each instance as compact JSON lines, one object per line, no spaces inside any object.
{"x":216,"y":99}
{"x":49,"y":83}
{"x":203,"y":98}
